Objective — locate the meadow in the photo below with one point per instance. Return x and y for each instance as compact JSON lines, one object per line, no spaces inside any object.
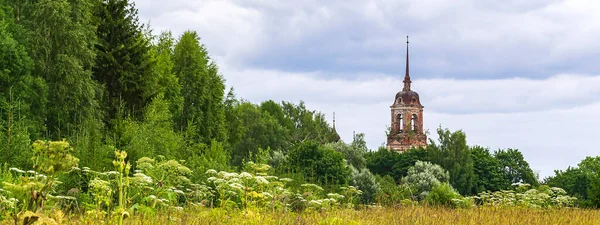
{"x":373,"y":215}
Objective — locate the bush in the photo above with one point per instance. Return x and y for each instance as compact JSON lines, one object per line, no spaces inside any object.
{"x":323,"y":164}
{"x":366,"y":182}
{"x":390,"y":193}
{"x":424,"y":176}
{"x":442,"y":195}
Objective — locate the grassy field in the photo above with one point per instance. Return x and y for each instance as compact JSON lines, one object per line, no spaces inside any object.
{"x":378,"y":216}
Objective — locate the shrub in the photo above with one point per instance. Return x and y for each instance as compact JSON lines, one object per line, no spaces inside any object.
{"x":423,"y":177}
{"x":366,"y":182}
{"x":442,"y":195}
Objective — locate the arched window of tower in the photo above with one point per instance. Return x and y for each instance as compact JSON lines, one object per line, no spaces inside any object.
{"x":413,"y":122}
{"x":400,"y":123}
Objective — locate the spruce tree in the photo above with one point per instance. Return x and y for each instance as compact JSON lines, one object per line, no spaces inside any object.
{"x":123,"y":61}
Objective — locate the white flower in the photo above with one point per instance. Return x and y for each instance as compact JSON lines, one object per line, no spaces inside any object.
{"x":286,"y":179}
{"x":211,"y":171}
{"x":112,"y":173}
{"x":145,"y":178}
{"x":17,"y":170}
{"x":261,"y":180}
{"x":236,"y":186}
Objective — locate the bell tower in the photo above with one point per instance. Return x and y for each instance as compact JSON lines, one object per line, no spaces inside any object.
{"x":407,"y":117}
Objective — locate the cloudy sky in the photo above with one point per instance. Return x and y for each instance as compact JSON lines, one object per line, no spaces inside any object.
{"x":510,"y":74}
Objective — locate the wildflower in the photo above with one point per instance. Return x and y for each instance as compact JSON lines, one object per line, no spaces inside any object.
{"x":211,"y":171}
{"x":16,"y":170}
{"x":286,"y":179}
{"x":261,"y":180}
{"x":246,"y":175}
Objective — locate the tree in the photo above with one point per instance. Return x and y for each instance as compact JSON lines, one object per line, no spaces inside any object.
{"x":384,"y":162}
{"x":202,"y":89}
{"x":574,"y":181}
{"x":516,"y":169}
{"x":123,"y":62}
{"x":590,"y":166}
{"x":256,"y":130}
{"x":153,"y":136}
{"x":489,"y":175}
{"x":166,"y":82}
{"x":60,"y":40}
{"x":452,"y":154}
{"x":306,"y":124}
{"x":322,"y":164}
{"x":18,"y":95}
{"x":352,"y":153}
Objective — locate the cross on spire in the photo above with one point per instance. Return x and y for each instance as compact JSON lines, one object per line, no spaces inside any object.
{"x":407,"y":74}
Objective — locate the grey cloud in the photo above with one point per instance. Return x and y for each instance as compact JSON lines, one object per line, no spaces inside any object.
{"x":466,"y":39}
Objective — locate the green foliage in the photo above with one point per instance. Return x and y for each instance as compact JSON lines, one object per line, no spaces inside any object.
{"x":591,"y":168}
{"x":305,"y":124}
{"x":202,"y":90}
{"x":390,"y":193}
{"x":443,"y":195}
{"x":152,"y":137}
{"x":167,"y":173}
{"x":31,"y":189}
{"x":204,"y":157}
{"x":582,"y":182}
{"x":423,"y":177}
{"x":254,"y":130}
{"x":322,"y":164}
{"x":22,"y":96}
{"x":365,"y":181}
{"x":574,"y":181}
{"x":525,"y":196}
{"x":93,"y":145}
{"x":388,"y":163}
{"x":516,"y":169}
{"x":164,"y":81}
{"x":14,"y":135}
{"x":352,"y":153}
{"x":452,"y":154}
{"x":123,"y":64}
{"x":51,"y":157}
{"x":489,"y":174}
{"x":61,"y":38}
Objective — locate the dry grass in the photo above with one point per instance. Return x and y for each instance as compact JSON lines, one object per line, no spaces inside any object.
{"x":376,"y":216}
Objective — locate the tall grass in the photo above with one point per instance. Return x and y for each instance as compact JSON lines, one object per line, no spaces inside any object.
{"x":378,"y":216}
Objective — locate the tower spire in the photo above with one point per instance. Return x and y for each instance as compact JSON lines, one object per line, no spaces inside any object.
{"x":334,"y":120}
{"x":336,"y":136}
{"x":407,"y":75}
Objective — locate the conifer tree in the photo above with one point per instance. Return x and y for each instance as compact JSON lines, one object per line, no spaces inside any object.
{"x":123,"y":61}
{"x":202,"y":89}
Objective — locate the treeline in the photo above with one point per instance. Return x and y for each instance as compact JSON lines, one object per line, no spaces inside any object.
{"x":89,"y":72}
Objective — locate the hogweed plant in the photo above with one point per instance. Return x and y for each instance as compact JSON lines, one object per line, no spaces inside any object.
{"x":122,"y":183}
{"x":31,"y":189}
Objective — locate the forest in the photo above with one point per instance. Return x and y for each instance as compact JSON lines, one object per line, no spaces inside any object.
{"x":104,"y":120}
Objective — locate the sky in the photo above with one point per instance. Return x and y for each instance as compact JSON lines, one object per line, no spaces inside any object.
{"x":510,"y":74}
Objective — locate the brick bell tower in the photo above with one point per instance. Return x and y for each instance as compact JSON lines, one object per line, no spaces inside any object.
{"x":407,"y":118}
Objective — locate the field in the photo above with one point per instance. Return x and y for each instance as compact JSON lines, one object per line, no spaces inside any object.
{"x":379,"y":216}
